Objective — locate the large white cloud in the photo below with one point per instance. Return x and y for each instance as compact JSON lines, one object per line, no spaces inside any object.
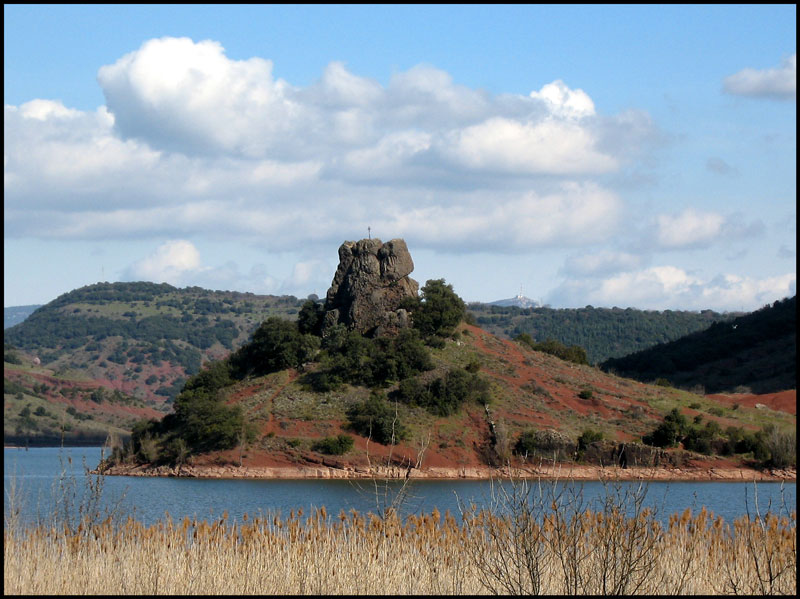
{"x":193,"y":142}
{"x":776,"y":83}
{"x":697,"y":229}
{"x":170,"y":263}
{"x":671,"y":287}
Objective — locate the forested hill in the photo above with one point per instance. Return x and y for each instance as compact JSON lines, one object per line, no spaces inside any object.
{"x":603,"y":332}
{"x":142,"y":338}
{"x":757,"y":351}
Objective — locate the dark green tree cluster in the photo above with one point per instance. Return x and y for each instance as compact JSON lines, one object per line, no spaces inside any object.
{"x":376,"y":419}
{"x":604,"y":332}
{"x":445,"y":395}
{"x":769,"y":446}
{"x":275,"y":345}
{"x":201,"y":421}
{"x":437,"y":312}
{"x":338,"y":445}
{"x":349,"y":357}
{"x":573,"y":353}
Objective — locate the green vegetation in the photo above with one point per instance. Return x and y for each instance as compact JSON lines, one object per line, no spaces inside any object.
{"x":202,"y":422}
{"x":572,"y":353}
{"x":276,"y":345}
{"x":437,"y":311}
{"x":769,"y":446}
{"x":603,"y":332}
{"x":444,"y":396}
{"x":375,"y":419}
{"x":338,"y":445}
{"x":758,"y":350}
{"x":350,"y":358}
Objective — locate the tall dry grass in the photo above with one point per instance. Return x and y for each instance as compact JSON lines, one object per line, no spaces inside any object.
{"x":532,"y":538}
{"x":588,"y":553}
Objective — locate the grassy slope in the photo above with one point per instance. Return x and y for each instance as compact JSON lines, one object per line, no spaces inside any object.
{"x":529,"y":390}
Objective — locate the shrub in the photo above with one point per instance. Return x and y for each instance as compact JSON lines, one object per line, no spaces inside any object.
{"x":670,"y":432}
{"x":338,"y":445}
{"x":444,"y":396}
{"x":544,"y":444}
{"x":573,"y":353}
{"x":376,"y":419}
{"x":585,"y":394}
{"x":588,"y":437}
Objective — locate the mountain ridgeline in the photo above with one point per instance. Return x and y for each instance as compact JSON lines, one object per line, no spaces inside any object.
{"x":603,"y":332}
{"x":756,"y":353}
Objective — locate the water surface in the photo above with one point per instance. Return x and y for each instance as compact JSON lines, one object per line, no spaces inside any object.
{"x":38,"y":480}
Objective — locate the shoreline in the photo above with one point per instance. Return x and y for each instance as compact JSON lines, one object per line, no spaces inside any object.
{"x":557,"y":472}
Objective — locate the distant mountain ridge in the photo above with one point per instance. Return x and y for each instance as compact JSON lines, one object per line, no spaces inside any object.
{"x":16,"y":314}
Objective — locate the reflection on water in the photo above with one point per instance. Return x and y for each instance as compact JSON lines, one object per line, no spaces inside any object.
{"x":36,"y":478}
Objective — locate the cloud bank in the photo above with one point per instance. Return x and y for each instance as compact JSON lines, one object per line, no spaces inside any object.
{"x":193,"y":144}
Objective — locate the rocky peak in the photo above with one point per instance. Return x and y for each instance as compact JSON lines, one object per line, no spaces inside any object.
{"x":369,"y":285}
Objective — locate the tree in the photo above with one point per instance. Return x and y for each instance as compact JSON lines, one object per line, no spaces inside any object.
{"x":376,"y":419}
{"x":276,"y":344}
{"x":438,"y":311}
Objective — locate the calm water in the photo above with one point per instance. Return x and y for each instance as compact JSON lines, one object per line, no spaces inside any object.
{"x":34,"y":476}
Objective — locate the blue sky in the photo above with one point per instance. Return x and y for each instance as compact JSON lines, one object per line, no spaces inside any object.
{"x":631,"y":156}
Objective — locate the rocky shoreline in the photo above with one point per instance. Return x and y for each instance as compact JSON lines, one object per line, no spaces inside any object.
{"x":548,"y":472}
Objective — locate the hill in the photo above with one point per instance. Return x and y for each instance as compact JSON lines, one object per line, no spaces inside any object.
{"x":754,"y":353}
{"x":143,"y":339}
{"x":553,"y":401}
{"x":603,"y":332}
{"x":97,"y":359}
{"x":42,"y":408}
{"x":16,"y":314}
{"x":435,"y":392}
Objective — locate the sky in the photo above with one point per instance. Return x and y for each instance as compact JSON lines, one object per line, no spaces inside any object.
{"x":628,"y":156}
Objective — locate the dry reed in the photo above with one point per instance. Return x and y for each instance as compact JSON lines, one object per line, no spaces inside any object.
{"x":586,"y":553}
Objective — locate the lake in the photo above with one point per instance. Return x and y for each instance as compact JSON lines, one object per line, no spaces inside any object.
{"x":32,"y":478}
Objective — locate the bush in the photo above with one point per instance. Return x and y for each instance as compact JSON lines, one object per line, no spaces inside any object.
{"x":670,"y":432}
{"x":585,"y":394}
{"x":338,"y":445}
{"x":573,"y":353}
{"x":444,"y":396}
{"x":546,"y":445}
{"x":376,"y":419}
{"x":588,"y":437}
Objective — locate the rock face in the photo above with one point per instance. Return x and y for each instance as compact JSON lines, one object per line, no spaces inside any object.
{"x":368,"y":287}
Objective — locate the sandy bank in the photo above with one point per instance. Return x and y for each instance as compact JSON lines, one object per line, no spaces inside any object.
{"x":549,"y":472}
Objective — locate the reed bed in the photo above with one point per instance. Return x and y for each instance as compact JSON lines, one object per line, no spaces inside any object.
{"x":565,"y":551}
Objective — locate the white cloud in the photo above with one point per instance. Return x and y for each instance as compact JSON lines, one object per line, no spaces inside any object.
{"x":776,"y":83}
{"x":594,"y":264}
{"x":170,"y":263}
{"x":195,"y":143}
{"x":698,"y":229}
{"x":691,"y":228}
{"x":670,"y":287}
{"x":509,"y":146}
{"x":563,"y":101}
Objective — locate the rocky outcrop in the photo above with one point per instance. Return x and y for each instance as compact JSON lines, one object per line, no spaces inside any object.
{"x":368,"y":287}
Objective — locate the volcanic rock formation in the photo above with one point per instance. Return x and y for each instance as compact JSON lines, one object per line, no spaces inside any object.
{"x":368,"y":287}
